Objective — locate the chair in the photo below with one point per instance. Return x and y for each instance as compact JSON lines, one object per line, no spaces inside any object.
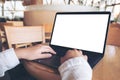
{"x":2,"y":33}
{"x":16,"y":23}
{"x":24,"y":35}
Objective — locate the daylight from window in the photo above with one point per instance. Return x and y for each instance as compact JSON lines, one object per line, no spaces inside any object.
{"x":14,"y":9}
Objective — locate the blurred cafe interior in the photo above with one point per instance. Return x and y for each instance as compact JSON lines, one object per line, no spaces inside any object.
{"x":33,"y":21}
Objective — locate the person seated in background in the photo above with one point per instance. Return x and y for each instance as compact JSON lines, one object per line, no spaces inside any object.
{"x":74,"y":65}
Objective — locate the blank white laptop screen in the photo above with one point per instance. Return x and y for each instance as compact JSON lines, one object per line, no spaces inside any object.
{"x":80,"y":31}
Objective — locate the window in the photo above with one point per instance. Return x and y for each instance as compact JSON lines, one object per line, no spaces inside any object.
{"x":12,"y":9}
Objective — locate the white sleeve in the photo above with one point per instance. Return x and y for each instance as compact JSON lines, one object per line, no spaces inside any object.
{"x":8,"y":60}
{"x":76,"y":69}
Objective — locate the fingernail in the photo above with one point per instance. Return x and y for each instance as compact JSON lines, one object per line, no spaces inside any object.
{"x":50,"y":55}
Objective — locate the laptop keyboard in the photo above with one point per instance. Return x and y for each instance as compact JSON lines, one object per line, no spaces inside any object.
{"x":53,"y":62}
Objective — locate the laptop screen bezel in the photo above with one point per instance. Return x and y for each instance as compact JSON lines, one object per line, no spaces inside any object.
{"x":101,"y":12}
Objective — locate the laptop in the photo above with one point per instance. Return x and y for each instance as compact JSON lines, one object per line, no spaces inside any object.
{"x":86,"y":31}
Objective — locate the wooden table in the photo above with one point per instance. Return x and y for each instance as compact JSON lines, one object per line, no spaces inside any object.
{"x":107,"y":69}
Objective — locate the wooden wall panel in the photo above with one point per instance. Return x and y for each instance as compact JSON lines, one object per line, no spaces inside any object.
{"x":37,"y":18}
{"x":32,"y":2}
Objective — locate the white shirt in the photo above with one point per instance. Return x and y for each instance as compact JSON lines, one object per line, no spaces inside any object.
{"x":76,"y":69}
{"x":72,"y":69}
{"x":8,"y":60}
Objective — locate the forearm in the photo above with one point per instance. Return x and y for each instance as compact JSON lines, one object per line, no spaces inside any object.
{"x":75,"y":69}
{"x":8,"y":60}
